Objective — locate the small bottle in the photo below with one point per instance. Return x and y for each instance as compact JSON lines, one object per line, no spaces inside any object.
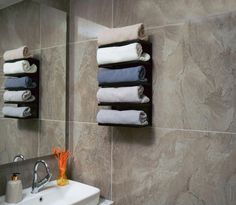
{"x":14,"y":189}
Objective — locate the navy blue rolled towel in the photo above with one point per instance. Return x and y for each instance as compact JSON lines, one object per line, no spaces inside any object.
{"x":19,"y":83}
{"x":132,"y":74}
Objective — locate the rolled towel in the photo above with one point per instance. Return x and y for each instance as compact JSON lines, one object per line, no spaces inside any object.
{"x":132,"y":74}
{"x":126,"y":117}
{"x":18,"y":96}
{"x":126,"y":33}
{"x":20,"y":112}
{"x":19,"y":83}
{"x":22,"y":66}
{"x":132,"y":94}
{"x":22,"y":52}
{"x":130,"y":52}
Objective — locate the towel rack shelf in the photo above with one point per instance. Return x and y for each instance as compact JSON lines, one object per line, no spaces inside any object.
{"x":125,"y":104}
{"x":34,"y":105}
{"x":124,"y":84}
{"x":146,"y":107}
{"x":123,"y":43}
{"x":122,"y":125}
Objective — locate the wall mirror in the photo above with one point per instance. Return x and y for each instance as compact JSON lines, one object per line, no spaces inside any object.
{"x":43,"y":28}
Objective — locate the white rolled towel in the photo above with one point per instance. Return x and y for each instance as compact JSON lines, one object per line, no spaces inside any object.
{"x":117,"y":54}
{"x":22,"y":52}
{"x":20,"y":112}
{"x":22,"y":66}
{"x":18,"y":96}
{"x":126,"y":117}
{"x":132,"y":94}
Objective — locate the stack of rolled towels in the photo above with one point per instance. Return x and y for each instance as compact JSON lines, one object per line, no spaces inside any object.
{"x":107,"y":77}
{"x":17,"y":89}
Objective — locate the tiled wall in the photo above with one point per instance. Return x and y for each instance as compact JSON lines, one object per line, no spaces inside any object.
{"x":188,"y":155}
{"x":43,"y":29}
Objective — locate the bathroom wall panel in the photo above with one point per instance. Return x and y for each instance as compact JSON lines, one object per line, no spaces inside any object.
{"x":53,"y":27}
{"x":13,"y":32}
{"x":160,"y":166}
{"x":89,"y":17}
{"x":159,"y":12}
{"x":194,"y":68}
{"x":83,"y":82}
{"x":53,"y":83}
{"x":18,"y":137}
{"x":51,"y":133}
{"x":91,"y":164}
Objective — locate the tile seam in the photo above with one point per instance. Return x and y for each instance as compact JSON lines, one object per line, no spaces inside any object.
{"x":165,"y":128}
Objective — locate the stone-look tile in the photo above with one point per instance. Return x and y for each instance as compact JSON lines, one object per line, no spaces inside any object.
{"x":13,"y":32}
{"x":91,"y":147}
{"x":88,"y":18}
{"x":53,"y":83}
{"x":156,"y":166}
{"x":158,"y":12}
{"x":57,"y":4}
{"x":25,"y":169}
{"x":53,"y":27}
{"x":16,"y":136}
{"x":83,"y":82}
{"x":1,"y":102}
{"x":51,"y":134}
{"x":194,"y":76}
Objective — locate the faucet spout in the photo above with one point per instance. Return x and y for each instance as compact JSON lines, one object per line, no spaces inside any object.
{"x":38,"y":185}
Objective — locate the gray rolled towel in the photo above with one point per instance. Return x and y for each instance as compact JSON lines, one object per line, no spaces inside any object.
{"x":126,"y":117}
{"x":21,"y":112}
{"x":18,"y":96}
{"x":19,"y":83}
{"x":132,"y":74}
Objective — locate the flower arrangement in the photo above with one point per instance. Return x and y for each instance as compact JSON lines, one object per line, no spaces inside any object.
{"x":62,"y":156}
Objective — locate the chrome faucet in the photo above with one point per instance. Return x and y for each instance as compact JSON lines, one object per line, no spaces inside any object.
{"x":37,"y":185}
{"x":19,"y":157}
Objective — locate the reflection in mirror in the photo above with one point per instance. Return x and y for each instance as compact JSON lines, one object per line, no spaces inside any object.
{"x":43,"y":30}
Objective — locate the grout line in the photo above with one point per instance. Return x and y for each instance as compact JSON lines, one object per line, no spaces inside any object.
{"x":82,"y":41}
{"x":165,"y":128}
{"x":112,"y":13}
{"x":59,"y":45}
{"x":192,"y":130}
{"x":163,"y":26}
{"x":112,"y":134}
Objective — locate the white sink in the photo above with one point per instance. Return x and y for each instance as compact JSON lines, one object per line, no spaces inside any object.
{"x":74,"y":193}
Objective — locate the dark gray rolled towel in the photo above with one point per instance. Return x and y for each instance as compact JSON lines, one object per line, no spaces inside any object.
{"x":19,"y":83}
{"x":132,"y":74}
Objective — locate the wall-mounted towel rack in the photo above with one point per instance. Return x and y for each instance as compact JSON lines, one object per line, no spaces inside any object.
{"x":147,"y":107}
{"x":35,"y":91}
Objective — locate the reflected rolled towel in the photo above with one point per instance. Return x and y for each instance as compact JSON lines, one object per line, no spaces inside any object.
{"x":19,"y":83}
{"x":131,"y":74}
{"x":126,"y":33}
{"x":18,"y":96}
{"x":117,"y":54}
{"x":20,"y":112}
{"x":22,"y":66}
{"x":132,"y":94}
{"x":18,"y":53}
{"x":128,"y":117}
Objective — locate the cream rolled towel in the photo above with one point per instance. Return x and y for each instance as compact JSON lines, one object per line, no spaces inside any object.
{"x":126,"y":33}
{"x":117,"y":54}
{"x":126,"y":117}
{"x":18,"y":96}
{"x":22,"y":66}
{"x":22,"y":52}
{"x":20,"y":112}
{"x":132,"y":94}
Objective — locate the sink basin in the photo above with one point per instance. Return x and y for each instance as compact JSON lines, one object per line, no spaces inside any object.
{"x":74,"y":193}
